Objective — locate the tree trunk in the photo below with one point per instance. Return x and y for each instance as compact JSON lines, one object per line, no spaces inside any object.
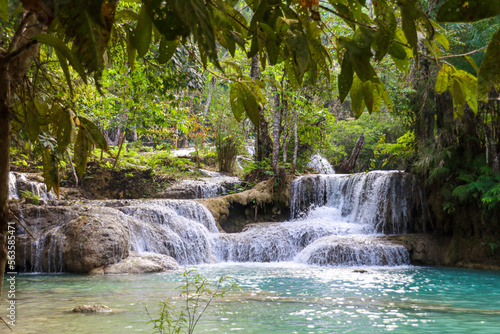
{"x":349,"y":164}
{"x":209,"y":98}
{"x":296,"y":143}
{"x":13,"y":67}
{"x":4,"y":164}
{"x":285,"y":129}
{"x":276,"y":132}
{"x":263,"y":143}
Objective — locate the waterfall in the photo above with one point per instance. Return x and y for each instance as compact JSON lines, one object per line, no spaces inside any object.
{"x":13,"y":195}
{"x":387,"y":200}
{"x":214,"y":185}
{"x":181,"y":229}
{"x":338,"y":220}
{"x":18,"y":183}
{"x":320,"y":164}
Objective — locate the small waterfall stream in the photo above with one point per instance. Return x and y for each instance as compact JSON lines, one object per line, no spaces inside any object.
{"x":337,"y":220}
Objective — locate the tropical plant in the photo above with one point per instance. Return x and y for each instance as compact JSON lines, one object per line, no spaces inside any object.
{"x":197,"y":295}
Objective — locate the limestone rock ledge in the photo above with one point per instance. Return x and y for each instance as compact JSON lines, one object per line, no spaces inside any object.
{"x":139,"y":264}
{"x":425,"y":249}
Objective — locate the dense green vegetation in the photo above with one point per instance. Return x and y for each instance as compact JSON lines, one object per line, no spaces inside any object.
{"x":121,"y":84}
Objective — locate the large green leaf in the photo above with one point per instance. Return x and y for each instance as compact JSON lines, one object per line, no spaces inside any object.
{"x":272,"y":43}
{"x":345,"y":77}
{"x":94,"y":133}
{"x":87,"y":25}
{"x":442,"y":79}
{"x":397,"y":51}
{"x":65,"y":128}
{"x":142,"y":33}
{"x":489,"y":72}
{"x":368,"y":95}
{"x":386,"y":28}
{"x":83,"y":148}
{"x":468,"y":84}
{"x":242,"y":99}
{"x":166,"y":50}
{"x":63,"y":53}
{"x":32,"y":123}
{"x":50,"y":169}
{"x":65,"y":68}
{"x":468,"y":10}
{"x":382,"y":92}
{"x":363,"y":68}
{"x":357,"y":98}
{"x":408,"y":14}
{"x":458,"y":98}
{"x":4,"y":10}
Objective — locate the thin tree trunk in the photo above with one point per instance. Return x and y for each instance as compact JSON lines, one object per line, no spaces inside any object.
{"x":209,"y":98}
{"x":296,"y":138}
{"x":263,"y":143}
{"x":5,"y":135}
{"x":349,"y":164}
{"x":285,"y":129}
{"x":276,"y":132}
{"x":73,"y":166}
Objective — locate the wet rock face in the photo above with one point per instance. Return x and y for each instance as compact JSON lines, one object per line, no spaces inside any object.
{"x":424,"y":249}
{"x":95,"y":240}
{"x":81,"y":237}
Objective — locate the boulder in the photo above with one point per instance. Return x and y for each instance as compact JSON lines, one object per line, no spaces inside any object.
{"x":95,"y":239}
{"x":139,"y":264}
{"x":96,"y":308}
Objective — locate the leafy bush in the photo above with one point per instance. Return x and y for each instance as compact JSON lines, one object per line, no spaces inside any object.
{"x":198,"y":293}
{"x":227,"y":149}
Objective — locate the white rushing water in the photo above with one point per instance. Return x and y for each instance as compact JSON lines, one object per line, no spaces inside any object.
{"x":337,"y":220}
{"x":319,"y":164}
{"x":18,"y":183}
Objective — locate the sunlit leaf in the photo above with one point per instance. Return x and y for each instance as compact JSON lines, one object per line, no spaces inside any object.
{"x":472,"y":63}
{"x":357,"y":99}
{"x":63,"y":51}
{"x":142,"y":33}
{"x":442,"y":79}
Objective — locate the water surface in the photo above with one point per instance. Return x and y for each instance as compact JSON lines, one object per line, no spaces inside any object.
{"x":275,"y":298}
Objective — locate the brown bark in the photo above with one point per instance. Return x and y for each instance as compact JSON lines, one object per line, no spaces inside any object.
{"x":13,"y":67}
{"x":296,"y":142}
{"x":349,"y":164}
{"x":5,"y":134}
{"x":276,"y":132}
{"x":263,"y":143}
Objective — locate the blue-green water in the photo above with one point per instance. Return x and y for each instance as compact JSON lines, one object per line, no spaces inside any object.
{"x":275,"y":298}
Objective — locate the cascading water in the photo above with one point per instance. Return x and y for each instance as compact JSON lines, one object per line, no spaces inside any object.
{"x":19,"y":182}
{"x":320,"y":164}
{"x":336,"y":220}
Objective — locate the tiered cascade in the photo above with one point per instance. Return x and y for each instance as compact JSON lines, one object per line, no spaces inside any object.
{"x":336,"y":220}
